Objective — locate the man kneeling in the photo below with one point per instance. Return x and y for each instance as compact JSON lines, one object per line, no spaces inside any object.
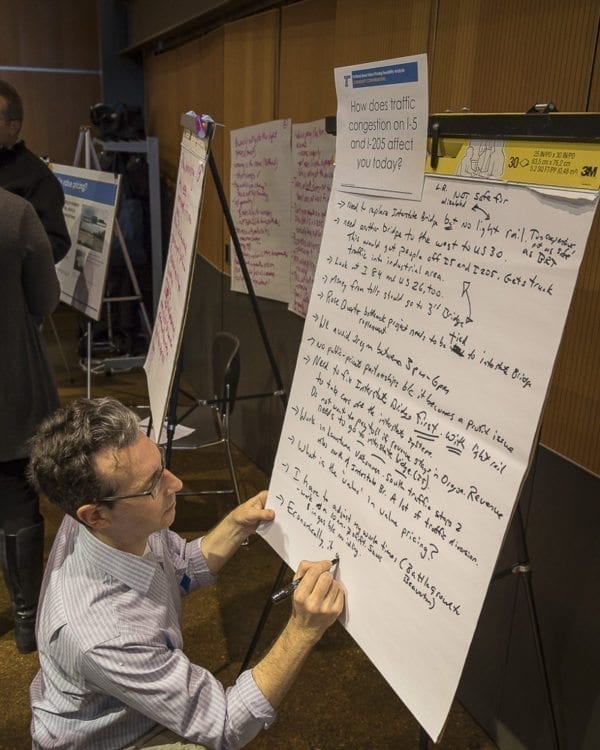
{"x":113,"y":673}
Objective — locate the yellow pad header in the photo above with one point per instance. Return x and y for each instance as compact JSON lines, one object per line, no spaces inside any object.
{"x":550,"y":163}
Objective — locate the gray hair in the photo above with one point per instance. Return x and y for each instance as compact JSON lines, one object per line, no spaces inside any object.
{"x":64,"y":448}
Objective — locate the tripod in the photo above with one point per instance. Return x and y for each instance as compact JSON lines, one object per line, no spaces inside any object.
{"x":86,"y":149}
{"x":191,"y":121}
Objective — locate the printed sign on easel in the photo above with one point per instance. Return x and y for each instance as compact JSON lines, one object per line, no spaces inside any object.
{"x":90,"y":204}
{"x":382,"y":127}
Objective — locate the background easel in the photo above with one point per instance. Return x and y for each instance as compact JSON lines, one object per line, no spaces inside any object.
{"x":188,"y":121}
{"x":86,"y":149}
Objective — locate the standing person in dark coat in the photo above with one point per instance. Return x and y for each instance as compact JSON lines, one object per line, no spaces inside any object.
{"x":28,"y":288}
{"x":24,"y":173}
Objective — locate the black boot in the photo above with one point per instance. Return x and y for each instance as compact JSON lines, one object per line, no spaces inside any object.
{"x":22,"y":564}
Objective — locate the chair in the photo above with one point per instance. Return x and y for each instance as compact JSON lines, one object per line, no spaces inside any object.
{"x":225,"y":379}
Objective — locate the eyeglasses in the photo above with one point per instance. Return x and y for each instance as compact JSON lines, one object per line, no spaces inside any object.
{"x":145,"y":493}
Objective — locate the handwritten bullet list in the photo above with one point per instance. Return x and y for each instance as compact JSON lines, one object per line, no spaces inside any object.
{"x":312,"y":156}
{"x":427,"y":350}
{"x":426,"y":355}
{"x":435,"y":317}
{"x":166,"y":334}
{"x":281,"y":178}
{"x":260,"y":206}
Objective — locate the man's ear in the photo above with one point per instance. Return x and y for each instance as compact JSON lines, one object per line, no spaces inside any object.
{"x":14,"y":127}
{"x":94,"y":516}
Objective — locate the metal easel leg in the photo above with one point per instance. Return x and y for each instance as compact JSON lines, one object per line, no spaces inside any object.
{"x":171,"y":415}
{"x":263,"y":618}
{"x":274,"y":368}
{"x":133,"y":278}
{"x":224,"y":429}
{"x":244,"y":269}
{"x":523,"y":569}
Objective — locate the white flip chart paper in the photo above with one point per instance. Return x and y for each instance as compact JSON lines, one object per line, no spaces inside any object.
{"x":427,"y":351}
{"x":261,"y":169}
{"x":312,"y":173}
{"x":172,"y":306}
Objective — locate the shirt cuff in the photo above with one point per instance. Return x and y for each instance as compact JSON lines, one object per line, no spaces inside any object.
{"x":253,"y":699}
{"x":199,"y":566}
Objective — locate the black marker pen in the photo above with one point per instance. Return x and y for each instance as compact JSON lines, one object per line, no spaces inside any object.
{"x":288,"y":590}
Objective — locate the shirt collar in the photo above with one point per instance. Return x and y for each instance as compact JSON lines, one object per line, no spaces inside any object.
{"x":18,"y":146}
{"x":134,"y":571}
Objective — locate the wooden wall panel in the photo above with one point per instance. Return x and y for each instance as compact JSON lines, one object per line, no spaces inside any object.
{"x":250,"y":78}
{"x":571,"y":423}
{"x":498,"y":57}
{"x":507,"y":56}
{"x":368,"y":31}
{"x":189,"y":78}
{"x":164,"y":109}
{"x":56,"y":105}
{"x":306,"y":79}
{"x":56,"y":35}
{"x":251,"y":59}
{"x":489,"y":56}
{"x":53,"y":33}
{"x":593,"y":104}
{"x":201,"y":89}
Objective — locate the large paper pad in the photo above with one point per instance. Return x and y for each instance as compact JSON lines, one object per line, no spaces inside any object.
{"x":427,"y":351}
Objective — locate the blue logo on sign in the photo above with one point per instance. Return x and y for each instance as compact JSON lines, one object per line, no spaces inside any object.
{"x":383,"y":76}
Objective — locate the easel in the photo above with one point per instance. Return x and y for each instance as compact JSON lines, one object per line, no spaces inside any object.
{"x":85,"y":147}
{"x":538,"y":125}
{"x":189,"y":121}
{"x":523,"y":569}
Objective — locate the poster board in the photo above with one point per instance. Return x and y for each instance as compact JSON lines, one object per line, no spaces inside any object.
{"x":165,"y":344}
{"x":421,"y":377}
{"x":382,"y":127}
{"x":313,"y":150}
{"x":90,"y":205}
{"x":260,"y":190}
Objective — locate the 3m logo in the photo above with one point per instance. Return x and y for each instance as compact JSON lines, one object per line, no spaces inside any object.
{"x":589,"y":171}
